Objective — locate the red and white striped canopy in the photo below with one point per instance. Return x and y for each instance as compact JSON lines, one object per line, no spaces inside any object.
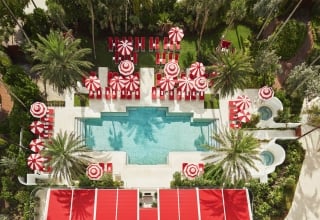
{"x":186,"y":84}
{"x":201,"y":83}
{"x":117,"y":83}
{"x":36,"y":145}
{"x":171,"y":69}
{"x":175,"y":34}
{"x":197,"y":69}
{"x":94,"y":171}
{"x":38,"y":109}
{"x":131,"y":82}
{"x":37,"y":127}
{"x":124,"y":47}
{"x":92,"y":83}
{"x":166,"y":83}
{"x":244,"y":116}
{"x":36,"y":162}
{"x":126,"y":67}
{"x":191,"y":170}
{"x":242,"y":102}
{"x":265,"y":93}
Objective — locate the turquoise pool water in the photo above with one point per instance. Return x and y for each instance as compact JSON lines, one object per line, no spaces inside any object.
{"x":147,"y":134}
{"x":267,"y":157}
{"x":265,"y":113}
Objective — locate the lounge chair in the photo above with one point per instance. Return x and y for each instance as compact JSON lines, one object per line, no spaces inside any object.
{"x":116,"y":41}
{"x":137,"y":94}
{"x":91,"y":94}
{"x":157,"y":58}
{"x":109,"y":168}
{"x":171,"y":95}
{"x":136,"y":44}
{"x":157,"y":46}
{"x":178,"y":46}
{"x":201,"y":95}
{"x":135,"y":58}
{"x":154,"y":93}
{"x":113,"y":94}
{"x":187,"y":95}
{"x":162,"y":93}
{"x":110,"y":44}
{"x":48,"y":128}
{"x":47,"y":120}
{"x":50,"y":112}
{"x":165,"y":43}
{"x":170,"y":57}
{"x":99,"y":93}
{"x":143,"y":44}
{"x":116,"y":57}
{"x":129,"y":94}
{"x":123,"y":94}
{"x":164,"y":58}
{"x":171,"y":47}
{"x":193,"y":94}
{"x":235,"y":124}
{"x":176,"y":57}
{"x":159,"y":76}
{"x":233,"y":117}
{"x":151,"y":44}
{"x":179,"y":94}
{"x":107,"y":93}
{"x":130,"y":39}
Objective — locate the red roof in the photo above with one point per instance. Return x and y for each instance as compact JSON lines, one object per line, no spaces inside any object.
{"x":173,"y":204}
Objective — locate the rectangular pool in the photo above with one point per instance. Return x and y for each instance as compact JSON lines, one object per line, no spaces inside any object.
{"x":146,"y":134}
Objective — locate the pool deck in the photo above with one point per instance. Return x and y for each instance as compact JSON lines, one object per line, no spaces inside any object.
{"x":145,"y":176}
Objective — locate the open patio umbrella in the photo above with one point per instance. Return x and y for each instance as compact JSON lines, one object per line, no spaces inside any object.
{"x":37,"y":127}
{"x":131,"y":82}
{"x":185,"y":84}
{"x":265,"y":93}
{"x":175,"y":34}
{"x":94,"y":171}
{"x":166,"y":83}
{"x":197,"y":69}
{"x":117,"y":83}
{"x":36,"y":145}
{"x":124,"y":47}
{"x":126,"y":67}
{"x":92,"y":83}
{"x":38,"y":109}
{"x":191,"y":170}
{"x":244,"y":116}
{"x":201,"y":83}
{"x":242,"y":102}
{"x":171,"y":69}
{"x":35,"y":162}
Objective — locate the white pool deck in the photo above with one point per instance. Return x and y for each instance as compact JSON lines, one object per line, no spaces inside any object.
{"x":147,"y":176}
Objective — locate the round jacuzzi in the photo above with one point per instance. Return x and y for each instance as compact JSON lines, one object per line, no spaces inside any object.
{"x":265,"y":113}
{"x":267,"y":157}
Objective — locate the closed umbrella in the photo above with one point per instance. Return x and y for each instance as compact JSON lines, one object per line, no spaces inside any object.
{"x":197,"y":69}
{"x":37,"y":127}
{"x":94,"y":171}
{"x":117,"y":83}
{"x":36,"y":145}
{"x":36,"y":162}
{"x":38,"y":109}
{"x":242,"y":102}
{"x":171,"y":69}
{"x":265,"y":93}
{"x":201,"y":84}
{"x":131,"y":82}
{"x":244,"y":116}
{"x":186,"y":84}
{"x":126,"y":67}
{"x":92,"y":83}
{"x":124,"y":47}
{"x":175,"y":34}
{"x":166,"y":83}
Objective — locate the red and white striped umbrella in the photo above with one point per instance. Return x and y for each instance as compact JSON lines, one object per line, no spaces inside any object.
{"x":201,"y":83}
{"x":94,"y":171}
{"x":36,"y":162}
{"x":197,"y":69}
{"x":244,"y":116}
{"x":191,"y":170}
{"x":175,"y":34}
{"x":131,"y":82}
{"x":124,"y":47}
{"x":38,"y":109}
{"x":242,"y":102}
{"x":266,"y":93}
{"x":186,"y":84}
{"x":166,"y":83}
{"x":117,"y":83}
{"x":36,"y":145}
{"x":92,"y":83}
{"x":171,"y":69}
{"x":126,"y":67}
{"x":37,"y":127}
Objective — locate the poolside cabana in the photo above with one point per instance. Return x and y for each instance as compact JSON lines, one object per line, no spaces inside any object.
{"x":172,"y":204}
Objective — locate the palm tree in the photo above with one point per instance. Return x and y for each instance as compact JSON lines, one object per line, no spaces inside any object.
{"x":57,"y":13}
{"x":68,"y":156}
{"x":234,"y":70}
{"x":234,"y":157}
{"x":61,"y":61}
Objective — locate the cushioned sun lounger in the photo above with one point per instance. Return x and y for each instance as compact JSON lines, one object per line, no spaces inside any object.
{"x":107,"y":93}
{"x":136,"y":43}
{"x":165,"y":43}
{"x":164,"y":58}
{"x":151,"y":44}
{"x":179,"y":94}
{"x":154,"y":93}
{"x":171,"y":95}
{"x":137,"y":94}
{"x":110,"y":44}
{"x":143,"y":44}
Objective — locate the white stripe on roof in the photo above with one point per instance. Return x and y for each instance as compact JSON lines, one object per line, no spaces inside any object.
{"x":198,"y":203}
{"x":95,"y":204}
{"x":117,"y":200}
{"x":224,"y":206}
{"x":46,"y":209}
{"x":71,"y":205}
{"x":178,"y":199}
{"x":158,"y":192}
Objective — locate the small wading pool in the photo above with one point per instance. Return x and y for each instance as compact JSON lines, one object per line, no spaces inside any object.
{"x":265,"y":113}
{"x":146,"y":134}
{"x":267,"y":158}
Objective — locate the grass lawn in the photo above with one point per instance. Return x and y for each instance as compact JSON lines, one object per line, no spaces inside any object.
{"x":188,"y":53}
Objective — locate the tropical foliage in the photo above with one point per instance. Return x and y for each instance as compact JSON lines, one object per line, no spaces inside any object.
{"x":67,"y":157}
{"x":236,"y":154}
{"x":61,"y":61}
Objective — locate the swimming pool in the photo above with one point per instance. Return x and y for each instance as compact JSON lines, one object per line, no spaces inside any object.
{"x":147,"y":134}
{"x":267,"y":158}
{"x":265,"y":113}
